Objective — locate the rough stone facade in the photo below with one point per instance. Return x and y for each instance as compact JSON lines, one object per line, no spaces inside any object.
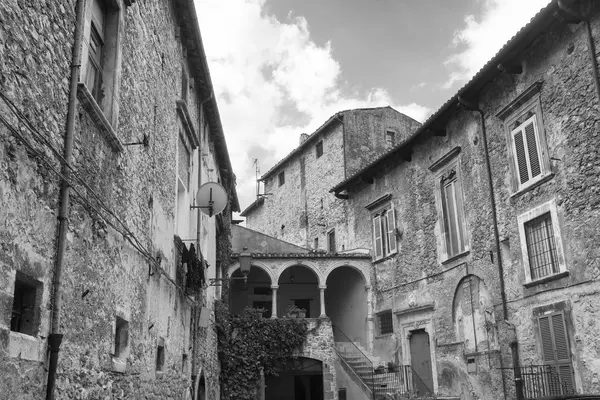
{"x":105,"y":279}
{"x":301,"y":211}
{"x":426,"y":290}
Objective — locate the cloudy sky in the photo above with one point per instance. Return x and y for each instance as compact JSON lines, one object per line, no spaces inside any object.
{"x":283,"y":67}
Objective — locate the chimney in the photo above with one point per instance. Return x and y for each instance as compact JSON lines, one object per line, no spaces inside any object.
{"x":303,"y":137}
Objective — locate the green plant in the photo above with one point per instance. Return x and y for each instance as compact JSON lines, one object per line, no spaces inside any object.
{"x":249,"y":343}
{"x":295,"y":311}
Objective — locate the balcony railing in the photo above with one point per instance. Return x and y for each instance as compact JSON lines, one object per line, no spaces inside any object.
{"x":544,"y":380}
{"x":189,"y":267}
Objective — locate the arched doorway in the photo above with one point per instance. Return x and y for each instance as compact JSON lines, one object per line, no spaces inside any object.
{"x":299,"y":286}
{"x":200,"y":392}
{"x":346,"y":304}
{"x":255,"y":293}
{"x":299,"y":379}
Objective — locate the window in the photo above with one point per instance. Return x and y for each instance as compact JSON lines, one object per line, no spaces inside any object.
{"x":383,"y":218}
{"x":281,"y":177}
{"x":541,"y":242}
{"x":556,"y":352}
{"x":526,"y":139}
{"x":452,"y":213}
{"x":331,"y":241}
{"x":342,"y":395}
{"x":386,"y":325}
{"x":316,"y":244}
{"x":25,"y":311}
{"x":160,"y":355}
{"x":319,"y":148}
{"x":184,"y":84}
{"x":184,"y":364}
{"x":390,"y":139}
{"x":102,"y":55}
{"x":121,"y":338}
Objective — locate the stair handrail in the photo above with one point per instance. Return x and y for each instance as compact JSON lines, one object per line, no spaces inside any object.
{"x":357,"y":350}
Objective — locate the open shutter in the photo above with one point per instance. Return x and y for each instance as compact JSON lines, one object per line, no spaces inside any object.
{"x":377,"y":239}
{"x":521,"y":157}
{"x":547,"y":341}
{"x":391,"y":233}
{"x":532,"y":148}
{"x":563,"y":354}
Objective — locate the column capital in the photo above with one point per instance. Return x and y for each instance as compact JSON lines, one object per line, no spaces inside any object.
{"x":322,"y":287}
{"x":274,"y":287}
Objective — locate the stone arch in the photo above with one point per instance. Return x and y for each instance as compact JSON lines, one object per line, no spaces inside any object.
{"x":473,"y":315}
{"x":200,"y":386}
{"x":255,"y":263}
{"x":339,"y":264}
{"x":303,"y":263}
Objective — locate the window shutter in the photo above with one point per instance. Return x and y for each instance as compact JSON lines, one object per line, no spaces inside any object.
{"x":521,"y":156}
{"x":377,"y":236}
{"x":532,"y":149}
{"x":560,"y":338}
{"x":392,"y":230}
{"x":547,"y":342}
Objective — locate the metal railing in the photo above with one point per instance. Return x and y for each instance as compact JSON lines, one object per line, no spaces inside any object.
{"x":354,"y":357}
{"x":542,"y":380}
{"x":393,"y":384}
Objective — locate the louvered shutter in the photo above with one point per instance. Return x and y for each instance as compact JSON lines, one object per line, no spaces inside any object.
{"x":556,"y":353}
{"x":532,"y":148}
{"x":521,"y":156}
{"x":391,"y":233}
{"x":377,"y":239}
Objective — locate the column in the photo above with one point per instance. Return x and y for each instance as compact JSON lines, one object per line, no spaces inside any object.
{"x":370,"y":322}
{"x":322,"y":300}
{"x":274,"y":301}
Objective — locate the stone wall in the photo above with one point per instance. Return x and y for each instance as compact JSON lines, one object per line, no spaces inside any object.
{"x":104,"y":276}
{"x":319,"y":345}
{"x":422,"y":291}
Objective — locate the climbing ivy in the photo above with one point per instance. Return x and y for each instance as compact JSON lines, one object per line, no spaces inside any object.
{"x":248,"y":342}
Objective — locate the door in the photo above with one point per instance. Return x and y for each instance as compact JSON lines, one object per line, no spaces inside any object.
{"x":420,"y":356}
{"x":304,"y":304}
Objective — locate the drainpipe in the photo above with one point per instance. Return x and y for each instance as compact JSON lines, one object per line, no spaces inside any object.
{"x":55,"y":338}
{"x":474,"y":107}
{"x":590,"y":39}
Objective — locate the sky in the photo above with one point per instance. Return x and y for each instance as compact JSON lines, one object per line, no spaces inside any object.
{"x":283,"y":67}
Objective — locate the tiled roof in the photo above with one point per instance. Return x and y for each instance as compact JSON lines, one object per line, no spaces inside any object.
{"x":490,"y":69}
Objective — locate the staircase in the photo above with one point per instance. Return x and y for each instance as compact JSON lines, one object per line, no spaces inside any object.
{"x":377,"y":385}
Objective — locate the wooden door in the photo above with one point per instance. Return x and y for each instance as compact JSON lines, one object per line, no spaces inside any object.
{"x":420,"y":357}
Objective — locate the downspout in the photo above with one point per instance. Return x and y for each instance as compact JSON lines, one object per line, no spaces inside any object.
{"x":55,"y":338}
{"x":474,"y":107}
{"x":590,"y":39}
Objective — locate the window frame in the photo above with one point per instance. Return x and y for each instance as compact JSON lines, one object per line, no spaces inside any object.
{"x":330,"y":235}
{"x":524,"y":108}
{"x":385,"y":233}
{"x":390,"y":143}
{"x":545,"y":208}
{"x":451,"y":171}
{"x":381,"y":314}
{"x":281,"y":178}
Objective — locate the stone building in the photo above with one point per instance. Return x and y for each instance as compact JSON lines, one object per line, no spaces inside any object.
{"x":109,"y":127}
{"x":297,"y":207}
{"x":481,"y":228}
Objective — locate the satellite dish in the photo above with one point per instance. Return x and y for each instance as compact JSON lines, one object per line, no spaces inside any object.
{"x":211,"y":198}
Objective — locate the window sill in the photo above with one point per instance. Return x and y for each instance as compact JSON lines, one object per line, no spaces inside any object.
{"x":546,"y":279}
{"x":456,"y":257}
{"x":532,"y":186}
{"x":384,"y":258}
{"x":384,"y":336}
{"x":89,"y":103}
{"x":25,"y":346}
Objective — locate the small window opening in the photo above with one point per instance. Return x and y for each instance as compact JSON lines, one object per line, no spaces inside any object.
{"x":281,"y":178}
{"x":342,"y":394}
{"x":331,"y":241}
{"x":471,"y":365}
{"x":184,"y":364}
{"x":160,"y":355}
{"x":386,"y":324}
{"x":319,"y":148}
{"x":121,"y":338}
{"x":23,"y":317}
{"x":390,"y":139}
{"x":316,"y":243}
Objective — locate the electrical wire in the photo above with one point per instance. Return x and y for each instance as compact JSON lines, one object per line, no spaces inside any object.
{"x":100,"y":209}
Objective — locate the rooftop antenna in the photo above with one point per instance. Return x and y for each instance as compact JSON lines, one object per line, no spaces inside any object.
{"x":259,"y":195}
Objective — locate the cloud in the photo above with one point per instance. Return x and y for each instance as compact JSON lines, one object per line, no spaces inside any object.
{"x":481,"y":38}
{"x":273,"y":83}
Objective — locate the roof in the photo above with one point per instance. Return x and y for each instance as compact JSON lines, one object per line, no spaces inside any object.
{"x":197,"y":56}
{"x":335,"y":117}
{"x":252,"y":206}
{"x":310,"y":255}
{"x":507,"y":53}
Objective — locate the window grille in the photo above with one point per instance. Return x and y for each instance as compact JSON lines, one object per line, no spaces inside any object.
{"x":385,"y":323}
{"x":541,"y":247}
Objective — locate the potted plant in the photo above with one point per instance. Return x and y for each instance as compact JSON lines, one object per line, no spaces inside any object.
{"x":380,"y":369}
{"x":294,"y":312}
{"x":392,"y":367}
